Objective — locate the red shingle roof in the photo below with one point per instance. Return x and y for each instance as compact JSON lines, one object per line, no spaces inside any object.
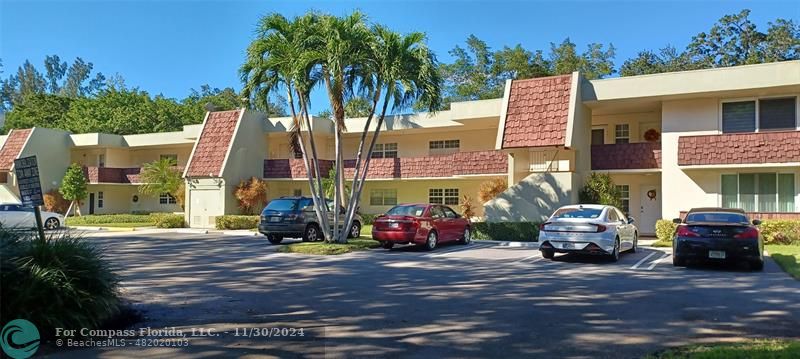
{"x":739,"y":148}
{"x":12,"y":147}
{"x":537,"y":112}
{"x":212,"y":146}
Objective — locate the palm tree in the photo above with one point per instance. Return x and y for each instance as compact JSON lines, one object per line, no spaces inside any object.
{"x":162,"y":176}
{"x":403,"y":71}
{"x":278,"y":58}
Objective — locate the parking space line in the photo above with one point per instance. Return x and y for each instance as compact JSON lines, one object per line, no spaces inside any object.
{"x":459,"y":249}
{"x":526,"y":258}
{"x":643,"y":260}
{"x":655,"y":262}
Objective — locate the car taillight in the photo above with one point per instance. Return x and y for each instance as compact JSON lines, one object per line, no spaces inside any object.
{"x":749,"y":233}
{"x":600,"y":228}
{"x":541,"y":226}
{"x":684,"y":231}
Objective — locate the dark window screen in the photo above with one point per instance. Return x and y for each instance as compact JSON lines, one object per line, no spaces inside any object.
{"x":739,"y":117}
{"x":777,"y":114}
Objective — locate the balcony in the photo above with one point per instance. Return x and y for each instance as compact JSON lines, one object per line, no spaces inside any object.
{"x":452,"y":165}
{"x":739,"y":148}
{"x":626,"y":156}
{"x":115,"y":174}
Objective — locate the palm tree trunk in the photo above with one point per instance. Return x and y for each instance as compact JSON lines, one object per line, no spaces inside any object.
{"x":321,"y":214}
{"x":319,"y":192}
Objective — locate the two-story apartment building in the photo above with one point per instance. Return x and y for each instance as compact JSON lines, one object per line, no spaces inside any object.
{"x":719,"y":137}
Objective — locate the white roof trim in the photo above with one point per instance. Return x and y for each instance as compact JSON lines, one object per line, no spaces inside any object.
{"x":501,"y":128}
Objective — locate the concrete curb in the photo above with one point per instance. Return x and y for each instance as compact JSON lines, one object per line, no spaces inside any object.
{"x":109,"y":229}
{"x":191,"y":231}
{"x":240,"y":233}
{"x":509,"y":243}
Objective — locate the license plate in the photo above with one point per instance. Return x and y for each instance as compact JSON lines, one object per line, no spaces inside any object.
{"x":567,"y":245}
{"x":394,"y":225}
{"x":275,"y":219}
{"x":716,"y":254}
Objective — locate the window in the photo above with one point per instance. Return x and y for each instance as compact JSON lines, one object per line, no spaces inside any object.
{"x":762,"y":114}
{"x":101,"y":160}
{"x":448,"y":196}
{"x":383,"y":197}
{"x":758,"y":192}
{"x":625,"y":196}
{"x":444,"y":146}
{"x":385,"y":150}
{"x":99,"y":199}
{"x":166,"y":198}
{"x":612,"y":215}
{"x":622,"y":133}
{"x":407,"y":210}
{"x":449,"y":213}
{"x":577,"y":212}
{"x":297,"y":192}
{"x":598,"y":136}
{"x":172,"y":157}
{"x":436,"y":212}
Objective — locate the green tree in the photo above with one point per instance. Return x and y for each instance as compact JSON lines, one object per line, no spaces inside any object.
{"x":127,"y":112}
{"x":229,"y":99}
{"x":72,"y":81}
{"x":162,"y":176}
{"x":600,"y":189}
{"x":74,"y":187}
{"x":357,"y":107}
{"x":44,"y":110}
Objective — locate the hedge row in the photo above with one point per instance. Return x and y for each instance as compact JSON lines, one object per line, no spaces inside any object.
{"x":161,"y":220}
{"x":506,"y":231}
{"x":774,"y":231}
{"x":237,"y":222}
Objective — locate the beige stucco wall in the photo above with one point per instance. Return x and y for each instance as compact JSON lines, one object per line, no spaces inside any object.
{"x":245,"y":157}
{"x":130,"y":157}
{"x":635,"y":183}
{"x":415,"y":143}
{"x":51,"y":148}
{"x":205,"y":200}
{"x":118,"y":198}
{"x":638,"y":123}
{"x":532,"y":199}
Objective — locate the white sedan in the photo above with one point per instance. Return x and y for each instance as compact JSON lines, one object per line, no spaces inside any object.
{"x":14,"y":215}
{"x":589,"y":229}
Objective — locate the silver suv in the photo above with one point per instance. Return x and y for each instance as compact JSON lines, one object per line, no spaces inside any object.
{"x":294,"y":217}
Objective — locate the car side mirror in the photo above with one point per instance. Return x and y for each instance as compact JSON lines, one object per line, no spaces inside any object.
{"x":677,"y":221}
{"x":756,"y":222}
{"x":631,"y":220}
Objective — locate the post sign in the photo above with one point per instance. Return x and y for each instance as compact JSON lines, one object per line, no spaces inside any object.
{"x":30,"y":189}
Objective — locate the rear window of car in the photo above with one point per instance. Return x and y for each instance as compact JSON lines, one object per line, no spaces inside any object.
{"x":282,"y":205}
{"x":406,"y":211}
{"x":578,"y":213}
{"x":718,"y":217}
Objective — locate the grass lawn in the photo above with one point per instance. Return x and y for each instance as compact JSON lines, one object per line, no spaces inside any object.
{"x":755,"y":349}
{"x":788,"y":257}
{"x":323,"y":248}
{"x":115,"y":225}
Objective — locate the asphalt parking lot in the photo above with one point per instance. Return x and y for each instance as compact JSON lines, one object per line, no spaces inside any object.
{"x":481,"y":300}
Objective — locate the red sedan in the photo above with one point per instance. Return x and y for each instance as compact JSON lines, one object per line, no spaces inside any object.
{"x":421,"y":224}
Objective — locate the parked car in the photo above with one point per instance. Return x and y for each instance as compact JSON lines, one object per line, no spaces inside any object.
{"x":13,"y":215}
{"x":718,"y":234}
{"x":420,"y":224}
{"x":590,"y":229}
{"x":294,"y":217}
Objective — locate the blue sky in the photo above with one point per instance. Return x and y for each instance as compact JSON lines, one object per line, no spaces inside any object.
{"x":169,"y":47}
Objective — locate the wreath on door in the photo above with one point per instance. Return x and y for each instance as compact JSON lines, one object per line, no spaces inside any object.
{"x":652,"y":135}
{"x":651,"y":194}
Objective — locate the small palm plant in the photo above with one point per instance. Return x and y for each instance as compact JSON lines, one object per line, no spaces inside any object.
{"x":162,"y":176}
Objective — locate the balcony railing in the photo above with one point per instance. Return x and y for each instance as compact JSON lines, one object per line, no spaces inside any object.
{"x":115,"y":174}
{"x":739,"y":148}
{"x":456,"y":164}
{"x":626,"y":156}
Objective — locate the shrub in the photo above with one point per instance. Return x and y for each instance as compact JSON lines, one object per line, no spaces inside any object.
{"x":92,"y":219}
{"x":506,"y":231}
{"x":780,"y":231}
{"x":167,"y":220}
{"x":63,"y":282}
{"x":600,"y":189}
{"x":367,"y":218}
{"x":467,"y":207}
{"x":251,"y":195}
{"x":55,"y":202}
{"x":665,"y":229}
{"x":491,"y":188}
{"x":237,"y":222}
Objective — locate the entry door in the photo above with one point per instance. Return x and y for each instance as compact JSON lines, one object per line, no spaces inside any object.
{"x":598,"y":136}
{"x":650,"y":209}
{"x":91,"y":203}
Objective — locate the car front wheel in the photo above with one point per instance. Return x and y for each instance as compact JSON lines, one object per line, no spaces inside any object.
{"x":51,"y":223}
{"x":312,"y":233}
{"x":430,"y":243}
{"x":274,"y":239}
{"x":355,"y":230}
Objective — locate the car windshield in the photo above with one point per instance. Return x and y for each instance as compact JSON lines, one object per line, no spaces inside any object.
{"x":411,"y":210}
{"x":717,"y":217}
{"x":282,"y":205}
{"x":578,"y":213}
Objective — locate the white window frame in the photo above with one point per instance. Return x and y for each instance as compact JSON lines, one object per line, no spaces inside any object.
{"x":166,"y":199}
{"x":626,"y":198}
{"x":444,"y":197}
{"x":381,"y":148}
{"x":616,"y":131}
{"x":758,"y":115}
{"x":100,"y":199}
{"x":383,"y":196}
{"x":447,"y":146}
{"x":757,"y":195}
